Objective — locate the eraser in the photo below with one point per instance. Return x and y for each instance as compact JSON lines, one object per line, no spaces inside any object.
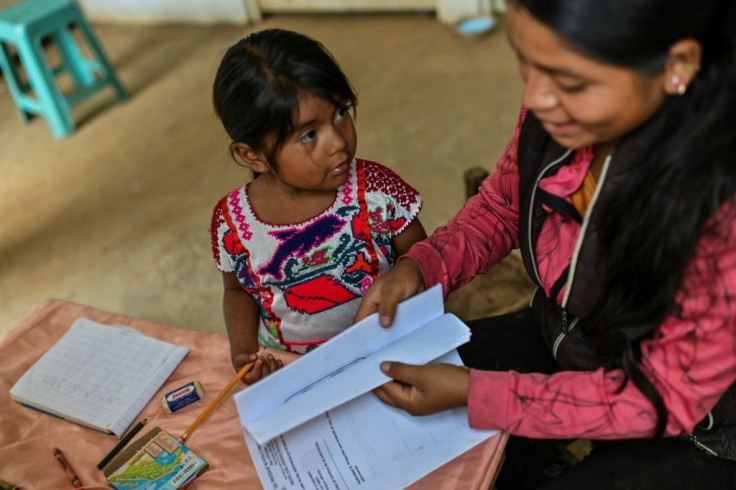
{"x":182,"y":396}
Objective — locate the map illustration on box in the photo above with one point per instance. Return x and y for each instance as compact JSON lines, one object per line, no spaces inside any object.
{"x":156,"y":461}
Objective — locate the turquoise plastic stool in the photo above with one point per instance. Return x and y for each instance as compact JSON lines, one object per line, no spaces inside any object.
{"x":24,"y":26}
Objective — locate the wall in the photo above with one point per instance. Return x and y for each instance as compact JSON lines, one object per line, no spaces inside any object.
{"x":247,"y":11}
{"x":154,"y":11}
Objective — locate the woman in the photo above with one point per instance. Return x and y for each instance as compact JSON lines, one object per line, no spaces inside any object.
{"x":618,"y":188}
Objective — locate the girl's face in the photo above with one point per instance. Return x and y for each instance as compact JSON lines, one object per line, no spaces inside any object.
{"x":317,"y":154}
{"x":579,"y":101}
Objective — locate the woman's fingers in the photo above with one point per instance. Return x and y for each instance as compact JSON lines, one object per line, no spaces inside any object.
{"x":390,"y":299}
{"x":386,"y":292}
{"x":387,"y":394}
{"x":369,"y":303}
{"x":405,"y":373}
{"x":403,"y":392}
{"x":423,"y":390}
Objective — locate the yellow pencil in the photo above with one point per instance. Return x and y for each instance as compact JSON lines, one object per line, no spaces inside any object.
{"x":215,"y":402}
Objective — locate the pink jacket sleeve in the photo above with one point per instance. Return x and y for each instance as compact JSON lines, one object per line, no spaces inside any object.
{"x":691,"y":360}
{"x":482,"y":233}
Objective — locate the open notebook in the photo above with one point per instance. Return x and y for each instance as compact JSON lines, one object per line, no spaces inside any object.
{"x":97,"y":375}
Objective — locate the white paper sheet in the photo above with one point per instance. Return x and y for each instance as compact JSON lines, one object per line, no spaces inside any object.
{"x":347,"y":366}
{"x":364,"y":444}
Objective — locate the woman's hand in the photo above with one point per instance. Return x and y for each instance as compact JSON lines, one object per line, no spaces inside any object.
{"x":403,"y":281}
{"x":424,"y":390}
{"x":264,"y":365}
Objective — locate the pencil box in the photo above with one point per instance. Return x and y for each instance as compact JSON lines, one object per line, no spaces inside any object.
{"x":155,"y":460}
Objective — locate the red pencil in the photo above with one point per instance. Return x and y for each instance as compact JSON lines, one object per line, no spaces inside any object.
{"x":70,"y":473}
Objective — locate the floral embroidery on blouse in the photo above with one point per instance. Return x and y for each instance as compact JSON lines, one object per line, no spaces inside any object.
{"x":307,"y":278}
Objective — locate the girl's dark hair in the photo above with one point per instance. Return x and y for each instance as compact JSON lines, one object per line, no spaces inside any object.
{"x":258,"y":83}
{"x":651,"y":226}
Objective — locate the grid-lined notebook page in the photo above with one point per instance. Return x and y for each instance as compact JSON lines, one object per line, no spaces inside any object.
{"x":99,"y":375}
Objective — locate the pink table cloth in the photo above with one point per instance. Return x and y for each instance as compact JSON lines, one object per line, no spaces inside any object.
{"x":27,"y":437}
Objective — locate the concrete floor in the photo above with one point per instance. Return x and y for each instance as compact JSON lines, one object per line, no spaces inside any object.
{"x":117,"y":215}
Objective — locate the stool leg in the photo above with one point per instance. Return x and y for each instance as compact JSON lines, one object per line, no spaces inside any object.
{"x":74,"y":60}
{"x":109,"y":76}
{"x":12,"y":78}
{"x":43,"y":82}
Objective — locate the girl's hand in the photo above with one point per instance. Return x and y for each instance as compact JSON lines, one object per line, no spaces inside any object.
{"x":401,"y":282}
{"x":424,"y":390}
{"x":264,"y":365}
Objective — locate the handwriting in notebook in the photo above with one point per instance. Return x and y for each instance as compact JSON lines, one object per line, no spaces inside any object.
{"x":98,"y":374}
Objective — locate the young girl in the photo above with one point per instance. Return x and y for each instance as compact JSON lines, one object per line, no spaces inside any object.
{"x":619,"y":187}
{"x":299,"y":244}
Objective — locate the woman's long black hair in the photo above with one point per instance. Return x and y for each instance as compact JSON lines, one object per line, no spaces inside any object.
{"x":650,"y":228}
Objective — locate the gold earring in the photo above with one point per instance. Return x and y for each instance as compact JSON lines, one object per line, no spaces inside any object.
{"x":680,"y":86}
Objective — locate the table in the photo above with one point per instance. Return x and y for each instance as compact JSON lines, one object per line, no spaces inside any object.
{"x":27,"y":437}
